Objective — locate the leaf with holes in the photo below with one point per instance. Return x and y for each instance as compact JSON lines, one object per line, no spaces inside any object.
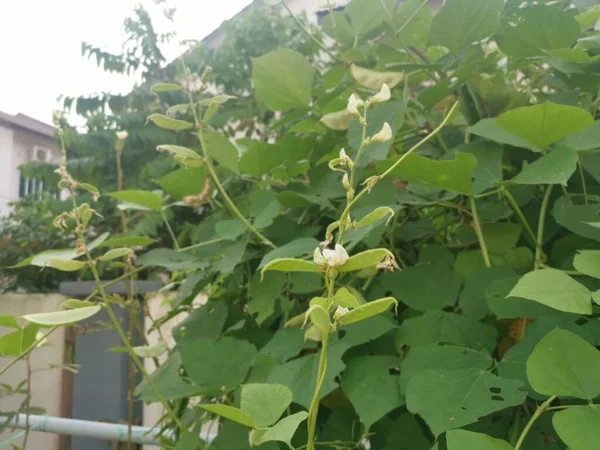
{"x":371,"y":384}
{"x":448,"y":399}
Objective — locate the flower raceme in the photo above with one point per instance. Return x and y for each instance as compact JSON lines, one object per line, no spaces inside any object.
{"x":333,"y":258}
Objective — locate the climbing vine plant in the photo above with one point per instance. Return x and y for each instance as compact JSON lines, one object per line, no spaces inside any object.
{"x":407,"y":258}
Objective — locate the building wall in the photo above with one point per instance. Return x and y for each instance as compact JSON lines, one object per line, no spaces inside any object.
{"x":47,"y":384}
{"x":16,"y":148}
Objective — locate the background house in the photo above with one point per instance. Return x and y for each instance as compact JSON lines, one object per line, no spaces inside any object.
{"x":23,"y":140}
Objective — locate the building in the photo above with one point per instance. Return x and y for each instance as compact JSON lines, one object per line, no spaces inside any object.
{"x":23,"y":140}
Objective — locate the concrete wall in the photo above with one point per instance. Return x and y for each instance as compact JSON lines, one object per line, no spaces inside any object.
{"x":6,"y":165}
{"x":46,"y":384}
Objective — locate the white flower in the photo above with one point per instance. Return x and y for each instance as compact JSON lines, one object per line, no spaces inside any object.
{"x":318,"y":258}
{"x":353,"y":104}
{"x":383,"y":95}
{"x":384,"y":135}
{"x":122,"y":135}
{"x":336,"y":257}
{"x":344,"y":155}
{"x":340,"y":312}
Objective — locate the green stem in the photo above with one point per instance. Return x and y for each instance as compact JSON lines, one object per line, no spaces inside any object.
{"x":201,"y":244}
{"x":582,"y":175}
{"x":540,"y":231}
{"x":360,"y":150}
{"x":479,"y":232}
{"x":520,"y":215}
{"x":365,"y":190}
{"x":230,"y":205}
{"x":314,"y":405}
{"x":166,"y":221}
{"x":538,"y":412}
{"x":513,"y":432}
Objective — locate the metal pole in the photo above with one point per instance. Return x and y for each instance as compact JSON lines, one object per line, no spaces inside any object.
{"x":85,"y":428}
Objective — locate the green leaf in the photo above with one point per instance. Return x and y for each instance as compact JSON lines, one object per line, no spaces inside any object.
{"x":505,"y":307}
{"x":545,"y":123}
{"x":364,"y":17}
{"x":588,"y":262}
{"x":222,"y":150}
{"x":453,"y":175}
{"x":472,"y":299}
{"x":42,"y":258}
{"x":73,"y":303}
{"x":221,"y":362}
{"x":171,"y":259}
{"x":565,"y":365}
{"x":182,"y":154}
{"x":500,"y":237}
{"x":165,"y":87}
{"x":448,"y":399}
{"x":261,"y":158}
{"x":320,"y":318}
{"x":343,"y":297}
{"x":425,"y":287}
{"x":527,"y":31}
{"x":300,"y":375}
{"x":168,"y":123}
{"x":145,"y":199}
{"x":513,"y":363}
{"x":265,"y":403}
{"x":462,"y":22}
{"x":488,"y":171}
{"x":554,"y":168}
{"x":368,"y":310}
{"x":127,"y":241}
{"x":291,"y":265}
{"x":374,"y":80}
{"x":578,"y":216}
{"x":9,"y":322}
{"x":169,"y":383}
{"x":282,"y":79}
{"x":67,"y":317}
{"x":467,"y":440}
{"x":219,"y":99}
{"x":412,"y":21}
{"x":588,"y":139}
{"x":65,"y":265}
{"x":489,"y":129}
{"x":371,"y":384}
{"x":368,"y":258}
{"x":555,"y":289}
{"x":115,"y":253}
{"x":441,"y":357}
{"x":295,"y":249}
{"x":375,"y":216}
{"x":284,"y":430}
{"x":229,"y":412}
{"x":184,"y":181}
{"x":151,"y":351}
{"x":16,"y":342}
{"x":578,"y":426}
{"x":438,"y":326}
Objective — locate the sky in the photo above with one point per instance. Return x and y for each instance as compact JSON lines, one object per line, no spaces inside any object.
{"x":40,"y":45}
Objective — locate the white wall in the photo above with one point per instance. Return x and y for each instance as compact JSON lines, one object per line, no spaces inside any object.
{"x":16,"y":148}
{"x":6,"y":164}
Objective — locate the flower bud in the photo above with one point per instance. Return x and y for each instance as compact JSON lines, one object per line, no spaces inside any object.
{"x":384,"y":135}
{"x":353,"y":104}
{"x":382,"y":96}
{"x":346,"y":182}
{"x":340,"y":312}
